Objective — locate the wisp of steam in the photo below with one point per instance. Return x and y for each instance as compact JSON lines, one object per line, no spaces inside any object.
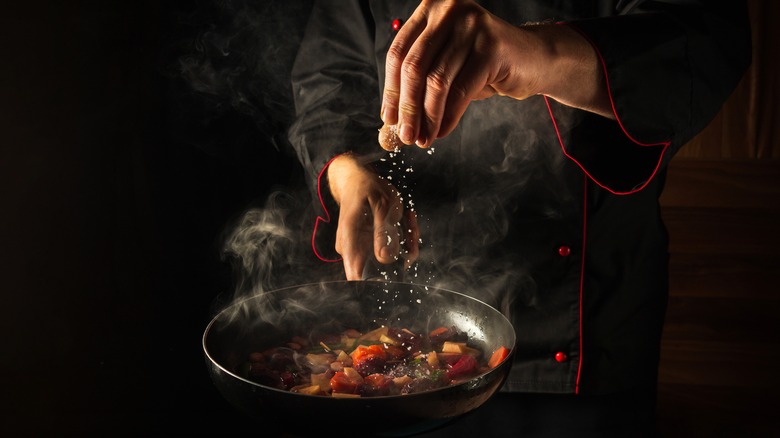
{"x":241,"y":58}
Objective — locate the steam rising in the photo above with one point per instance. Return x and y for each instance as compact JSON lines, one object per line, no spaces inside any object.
{"x":236,"y":56}
{"x":269,"y":248}
{"x":263,"y":244}
{"x":240,"y":60}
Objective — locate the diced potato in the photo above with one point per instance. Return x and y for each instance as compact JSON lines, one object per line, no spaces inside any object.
{"x":344,"y":358}
{"x":322,"y":381}
{"x":319,"y":360}
{"x":352,"y":374}
{"x":453,"y":347}
{"x":309,"y":390}
{"x":399,"y":382}
{"x":373,"y":335}
{"x":459,"y":347}
{"x":433,"y":359}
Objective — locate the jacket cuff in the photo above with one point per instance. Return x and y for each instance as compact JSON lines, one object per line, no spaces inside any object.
{"x":323,"y":238}
{"x":604,"y":149}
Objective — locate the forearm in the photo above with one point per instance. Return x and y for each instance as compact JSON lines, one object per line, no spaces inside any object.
{"x":566,"y":67}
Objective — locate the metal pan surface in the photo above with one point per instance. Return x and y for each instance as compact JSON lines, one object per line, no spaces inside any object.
{"x":265,"y":319}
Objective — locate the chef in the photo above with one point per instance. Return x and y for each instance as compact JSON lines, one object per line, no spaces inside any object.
{"x":531,"y":141}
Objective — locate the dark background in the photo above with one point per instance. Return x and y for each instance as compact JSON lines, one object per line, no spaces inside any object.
{"x":133,"y":134}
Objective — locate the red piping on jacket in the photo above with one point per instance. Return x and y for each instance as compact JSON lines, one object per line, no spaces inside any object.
{"x":665,"y":144}
{"x":588,"y":176}
{"x":325,"y":219}
{"x":582,"y":275}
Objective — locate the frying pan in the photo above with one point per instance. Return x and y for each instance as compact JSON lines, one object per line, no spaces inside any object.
{"x":268,"y":319}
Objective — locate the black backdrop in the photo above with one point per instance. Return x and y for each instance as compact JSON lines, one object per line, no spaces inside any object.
{"x":132,"y":134}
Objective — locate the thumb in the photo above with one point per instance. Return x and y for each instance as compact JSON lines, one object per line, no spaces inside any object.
{"x":354,"y":263}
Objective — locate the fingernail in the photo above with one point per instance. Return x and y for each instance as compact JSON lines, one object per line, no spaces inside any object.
{"x":421,"y":142}
{"x":406,"y":134}
{"x":384,"y":252}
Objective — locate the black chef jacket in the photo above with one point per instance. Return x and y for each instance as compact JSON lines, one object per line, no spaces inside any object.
{"x":548,"y":213}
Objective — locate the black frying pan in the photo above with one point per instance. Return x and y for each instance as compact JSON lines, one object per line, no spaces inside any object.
{"x":268,"y":319}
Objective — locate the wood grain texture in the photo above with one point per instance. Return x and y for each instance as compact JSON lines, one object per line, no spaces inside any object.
{"x":718,"y":375}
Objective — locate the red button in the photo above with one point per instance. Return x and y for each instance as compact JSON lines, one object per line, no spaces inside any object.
{"x":396,"y":24}
{"x":561,"y":357}
{"x":564,"y":251}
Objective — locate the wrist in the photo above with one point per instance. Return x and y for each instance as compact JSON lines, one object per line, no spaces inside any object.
{"x":567,"y":68}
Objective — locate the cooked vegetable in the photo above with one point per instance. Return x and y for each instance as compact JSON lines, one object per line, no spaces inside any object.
{"x":384,"y":361}
{"x":498,"y":356}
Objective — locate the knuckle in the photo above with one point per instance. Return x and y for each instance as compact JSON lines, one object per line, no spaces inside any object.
{"x":412,"y":67}
{"x":438,"y":81}
{"x":409,"y":108}
{"x":390,"y":93}
{"x":394,"y":56}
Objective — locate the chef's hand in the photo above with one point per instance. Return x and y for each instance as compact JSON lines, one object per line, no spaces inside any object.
{"x":451,"y":52}
{"x":371,"y":216}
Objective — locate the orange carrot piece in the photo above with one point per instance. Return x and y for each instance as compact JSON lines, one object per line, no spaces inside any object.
{"x":498,"y":356}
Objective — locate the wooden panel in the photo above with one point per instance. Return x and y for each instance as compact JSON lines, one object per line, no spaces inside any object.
{"x":721,"y":342}
{"x":729,"y":364}
{"x":721,"y":345}
{"x":714,"y":411}
{"x":727,"y":133}
{"x":723,"y":184}
{"x":724,"y":275}
{"x":723,"y":320}
{"x":723,"y":218}
{"x":736,"y":232}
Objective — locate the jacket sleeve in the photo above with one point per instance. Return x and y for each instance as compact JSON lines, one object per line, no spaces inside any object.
{"x":335,"y":86}
{"x":336,"y":96}
{"x":669,"y":66}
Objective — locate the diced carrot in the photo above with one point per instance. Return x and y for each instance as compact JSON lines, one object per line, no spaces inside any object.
{"x":363,"y":351}
{"x":439,"y":331}
{"x":498,"y":356}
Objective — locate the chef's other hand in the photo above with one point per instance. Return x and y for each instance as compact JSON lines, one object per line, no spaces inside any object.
{"x":371,"y":216}
{"x":451,"y":52}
